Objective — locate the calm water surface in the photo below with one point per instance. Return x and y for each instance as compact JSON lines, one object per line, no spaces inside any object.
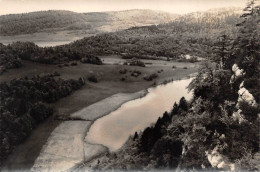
{"x":114,"y":129}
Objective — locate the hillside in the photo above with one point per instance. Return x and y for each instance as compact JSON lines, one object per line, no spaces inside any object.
{"x":183,"y":36}
{"x":53,"y":21}
{"x":192,"y":34}
{"x":211,"y":21}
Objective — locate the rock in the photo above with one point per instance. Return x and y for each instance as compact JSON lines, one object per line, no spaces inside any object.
{"x":245,"y":95}
{"x":238,"y":72}
{"x":219,"y":161}
{"x":238,"y":116}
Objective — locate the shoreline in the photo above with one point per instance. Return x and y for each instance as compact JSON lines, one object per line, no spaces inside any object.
{"x":84,"y":164}
{"x":54,"y":154}
{"x":82,"y":115}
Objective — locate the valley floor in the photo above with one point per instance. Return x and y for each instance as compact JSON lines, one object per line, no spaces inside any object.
{"x":109,"y":84}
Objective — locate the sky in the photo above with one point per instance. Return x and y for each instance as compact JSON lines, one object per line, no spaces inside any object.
{"x":173,"y":6}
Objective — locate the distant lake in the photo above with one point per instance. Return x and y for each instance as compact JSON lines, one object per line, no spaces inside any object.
{"x":51,"y":44}
{"x":43,"y":43}
{"x":115,"y":128}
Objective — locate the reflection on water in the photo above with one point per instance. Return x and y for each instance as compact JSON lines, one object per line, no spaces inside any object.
{"x":40,"y":43}
{"x":52,"y":43}
{"x":115,"y":128}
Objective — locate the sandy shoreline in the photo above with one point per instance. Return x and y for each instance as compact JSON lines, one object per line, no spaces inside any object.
{"x":66,"y":148}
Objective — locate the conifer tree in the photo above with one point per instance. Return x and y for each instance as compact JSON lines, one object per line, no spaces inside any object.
{"x":222,"y":49}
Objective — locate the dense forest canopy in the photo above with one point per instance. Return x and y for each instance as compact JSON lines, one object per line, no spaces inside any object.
{"x":25,"y":103}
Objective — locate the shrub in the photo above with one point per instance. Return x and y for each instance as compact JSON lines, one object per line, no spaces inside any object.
{"x":93,"y":78}
{"x":56,"y":73}
{"x":135,"y":62}
{"x":91,"y":59}
{"x":136,"y":73}
{"x":40,"y":111}
{"x":123,"y":71}
{"x":151,"y":77}
{"x":74,"y":64}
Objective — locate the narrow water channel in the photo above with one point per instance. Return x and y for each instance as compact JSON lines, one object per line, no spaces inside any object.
{"x":114,"y":129}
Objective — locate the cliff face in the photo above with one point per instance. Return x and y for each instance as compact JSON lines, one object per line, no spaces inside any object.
{"x":244,"y":96}
{"x":216,"y":159}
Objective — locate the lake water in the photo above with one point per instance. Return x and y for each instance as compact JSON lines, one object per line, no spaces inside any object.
{"x":52,"y":44}
{"x":115,"y":128}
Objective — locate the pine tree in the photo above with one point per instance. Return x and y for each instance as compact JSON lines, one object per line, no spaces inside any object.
{"x":247,"y":45}
{"x":222,"y":50}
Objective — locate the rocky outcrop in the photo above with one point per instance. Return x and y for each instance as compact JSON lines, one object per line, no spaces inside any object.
{"x":245,"y":95}
{"x":219,"y":161}
{"x":238,"y":116}
{"x":237,"y":73}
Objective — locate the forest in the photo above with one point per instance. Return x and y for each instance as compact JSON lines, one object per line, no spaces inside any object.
{"x":180,"y":37}
{"x":25,"y":102}
{"x":11,"y":56}
{"x":219,"y":128}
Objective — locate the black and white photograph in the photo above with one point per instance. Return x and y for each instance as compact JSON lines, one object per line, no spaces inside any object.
{"x":129,"y":85}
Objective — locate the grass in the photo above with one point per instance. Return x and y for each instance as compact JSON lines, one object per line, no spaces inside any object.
{"x":109,"y":84}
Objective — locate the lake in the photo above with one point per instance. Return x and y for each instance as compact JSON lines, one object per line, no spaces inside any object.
{"x":115,"y":128}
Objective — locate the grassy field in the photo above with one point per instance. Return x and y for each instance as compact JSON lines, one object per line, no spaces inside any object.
{"x":109,"y":83}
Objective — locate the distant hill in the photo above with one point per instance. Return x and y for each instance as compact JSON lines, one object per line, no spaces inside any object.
{"x":54,"y":20}
{"x":192,"y":34}
{"x":211,"y":20}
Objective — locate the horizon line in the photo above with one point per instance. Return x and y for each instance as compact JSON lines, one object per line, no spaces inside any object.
{"x":107,"y":11}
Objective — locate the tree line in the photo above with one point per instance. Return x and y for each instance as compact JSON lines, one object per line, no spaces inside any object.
{"x":11,"y":56}
{"x":25,"y":102}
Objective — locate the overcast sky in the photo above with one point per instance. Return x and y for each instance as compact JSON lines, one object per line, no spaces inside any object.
{"x":173,"y":6}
